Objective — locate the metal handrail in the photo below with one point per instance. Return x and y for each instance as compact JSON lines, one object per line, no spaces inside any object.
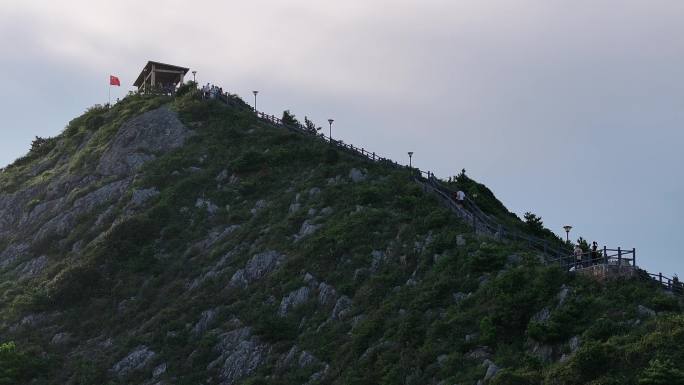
{"x":479,"y":219}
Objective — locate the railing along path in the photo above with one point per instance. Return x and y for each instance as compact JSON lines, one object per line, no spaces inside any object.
{"x":470,"y":213}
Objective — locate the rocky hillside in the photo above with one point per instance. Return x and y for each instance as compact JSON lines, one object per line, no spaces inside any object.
{"x":181,"y":241}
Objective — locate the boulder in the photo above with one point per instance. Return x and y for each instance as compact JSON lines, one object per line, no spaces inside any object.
{"x":357,"y":175}
{"x":342,"y":308}
{"x":460,"y":240}
{"x":542,"y":316}
{"x":294,"y":207}
{"x":137,"y":359}
{"x":206,"y":319}
{"x":293,"y":299}
{"x":159,"y":370}
{"x":60,"y":338}
{"x":326,"y":294}
{"x":240,"y":354}
{"x":492,"y":370}
{"x":308,"y":228}
{"x":563,"y":295}
{"x":207,"y":205}
{"x":258,"y":266}
{"x":223,"y":175}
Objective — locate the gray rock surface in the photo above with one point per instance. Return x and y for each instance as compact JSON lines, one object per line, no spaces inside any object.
{"x":141,"y":196}
{"x":460,"y":240}
{"x":223,"y":175}
{"x":542,"y":316}
{"x":472,"y":337}
{"x":563,"y":295}
{"x":258,"y":266}
{"x":32,"y":268}
{"x":342,"y":308}
{"x":308,"y":228}
{"x":459,"y":296}
{"x":159,"y":370}
{"x":240,"y":354}
{"x":492,"y":370}
{"x":140,"y":138}
{"x":645,"y":312}
{"x":206,"y":204}
{"x":378,"y":257}
{"x":206,"y":319}
{"x":326,"y":294}
{"x":294,"y":207}
{"x":574,"y":344}
{"x":137,"y":359}
{"x":258,"y":206}
{"x":357,"y":175}
{"x":60,"y":338}
{"x":293,"y":299}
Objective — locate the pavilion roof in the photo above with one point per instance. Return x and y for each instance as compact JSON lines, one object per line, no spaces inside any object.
{"x":157,"y":66}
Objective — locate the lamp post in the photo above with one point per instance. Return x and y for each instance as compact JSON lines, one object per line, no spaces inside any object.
{"x":410,"y":154}
{"x":255,"y":95}
{"x":330,"y":122}
{"x":567,"y":229}
{"x":193,"y":77}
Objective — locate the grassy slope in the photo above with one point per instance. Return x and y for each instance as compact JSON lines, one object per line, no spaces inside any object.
{"x":409,"y":315}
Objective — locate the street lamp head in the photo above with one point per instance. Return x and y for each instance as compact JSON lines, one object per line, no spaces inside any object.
{"x":410,"y":153}
{"x":255,"y":92}
{"x":194,"y":72}
{"x":567,"y":228}
{"x":330,"y":121}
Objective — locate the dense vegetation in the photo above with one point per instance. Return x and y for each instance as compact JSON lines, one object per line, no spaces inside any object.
{"x":429,"y":300}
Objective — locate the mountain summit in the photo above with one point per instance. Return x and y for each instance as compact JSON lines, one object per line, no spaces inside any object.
{"x":180,"y":240}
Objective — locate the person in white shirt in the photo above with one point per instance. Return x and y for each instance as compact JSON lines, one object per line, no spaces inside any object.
{"x":460,"y":196}
{"x":578,"y":256}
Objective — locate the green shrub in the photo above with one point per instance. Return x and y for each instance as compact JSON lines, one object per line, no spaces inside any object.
{"x":487,"y":330}
{"x":73,"y":285}
{"x":17,"y":367}
{"x":661,"y":372}
{"x":248,"y":162}
{"x":516,"y":377}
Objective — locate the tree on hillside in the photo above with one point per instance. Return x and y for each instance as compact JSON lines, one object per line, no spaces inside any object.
{"x":289,"y":119}
{"x":311,"y":126}
{"x":584,"y":245}
{"x":534,"y":222}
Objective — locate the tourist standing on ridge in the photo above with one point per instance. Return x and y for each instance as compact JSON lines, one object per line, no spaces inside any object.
{"x":460,"y":197}
{"x":578,"y":256}
{"x":594,"y":253}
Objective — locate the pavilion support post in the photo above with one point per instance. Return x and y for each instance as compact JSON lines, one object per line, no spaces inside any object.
{"x":634,"y":257}
{"x":605,"y":255}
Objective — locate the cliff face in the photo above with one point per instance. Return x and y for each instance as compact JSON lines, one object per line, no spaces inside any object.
{"x":185,"y":242}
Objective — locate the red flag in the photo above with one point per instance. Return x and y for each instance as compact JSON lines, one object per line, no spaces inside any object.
{"x":114,"y":81}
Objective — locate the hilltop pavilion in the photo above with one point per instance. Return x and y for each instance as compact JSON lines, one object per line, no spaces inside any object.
{"x":162,"y":77}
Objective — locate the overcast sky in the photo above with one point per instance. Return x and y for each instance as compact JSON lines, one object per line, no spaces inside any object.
{"x":573,"y":110}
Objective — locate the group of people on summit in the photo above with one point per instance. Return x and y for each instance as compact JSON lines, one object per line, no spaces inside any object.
{"x":210,"y":91}
{"x":586,"y":259}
